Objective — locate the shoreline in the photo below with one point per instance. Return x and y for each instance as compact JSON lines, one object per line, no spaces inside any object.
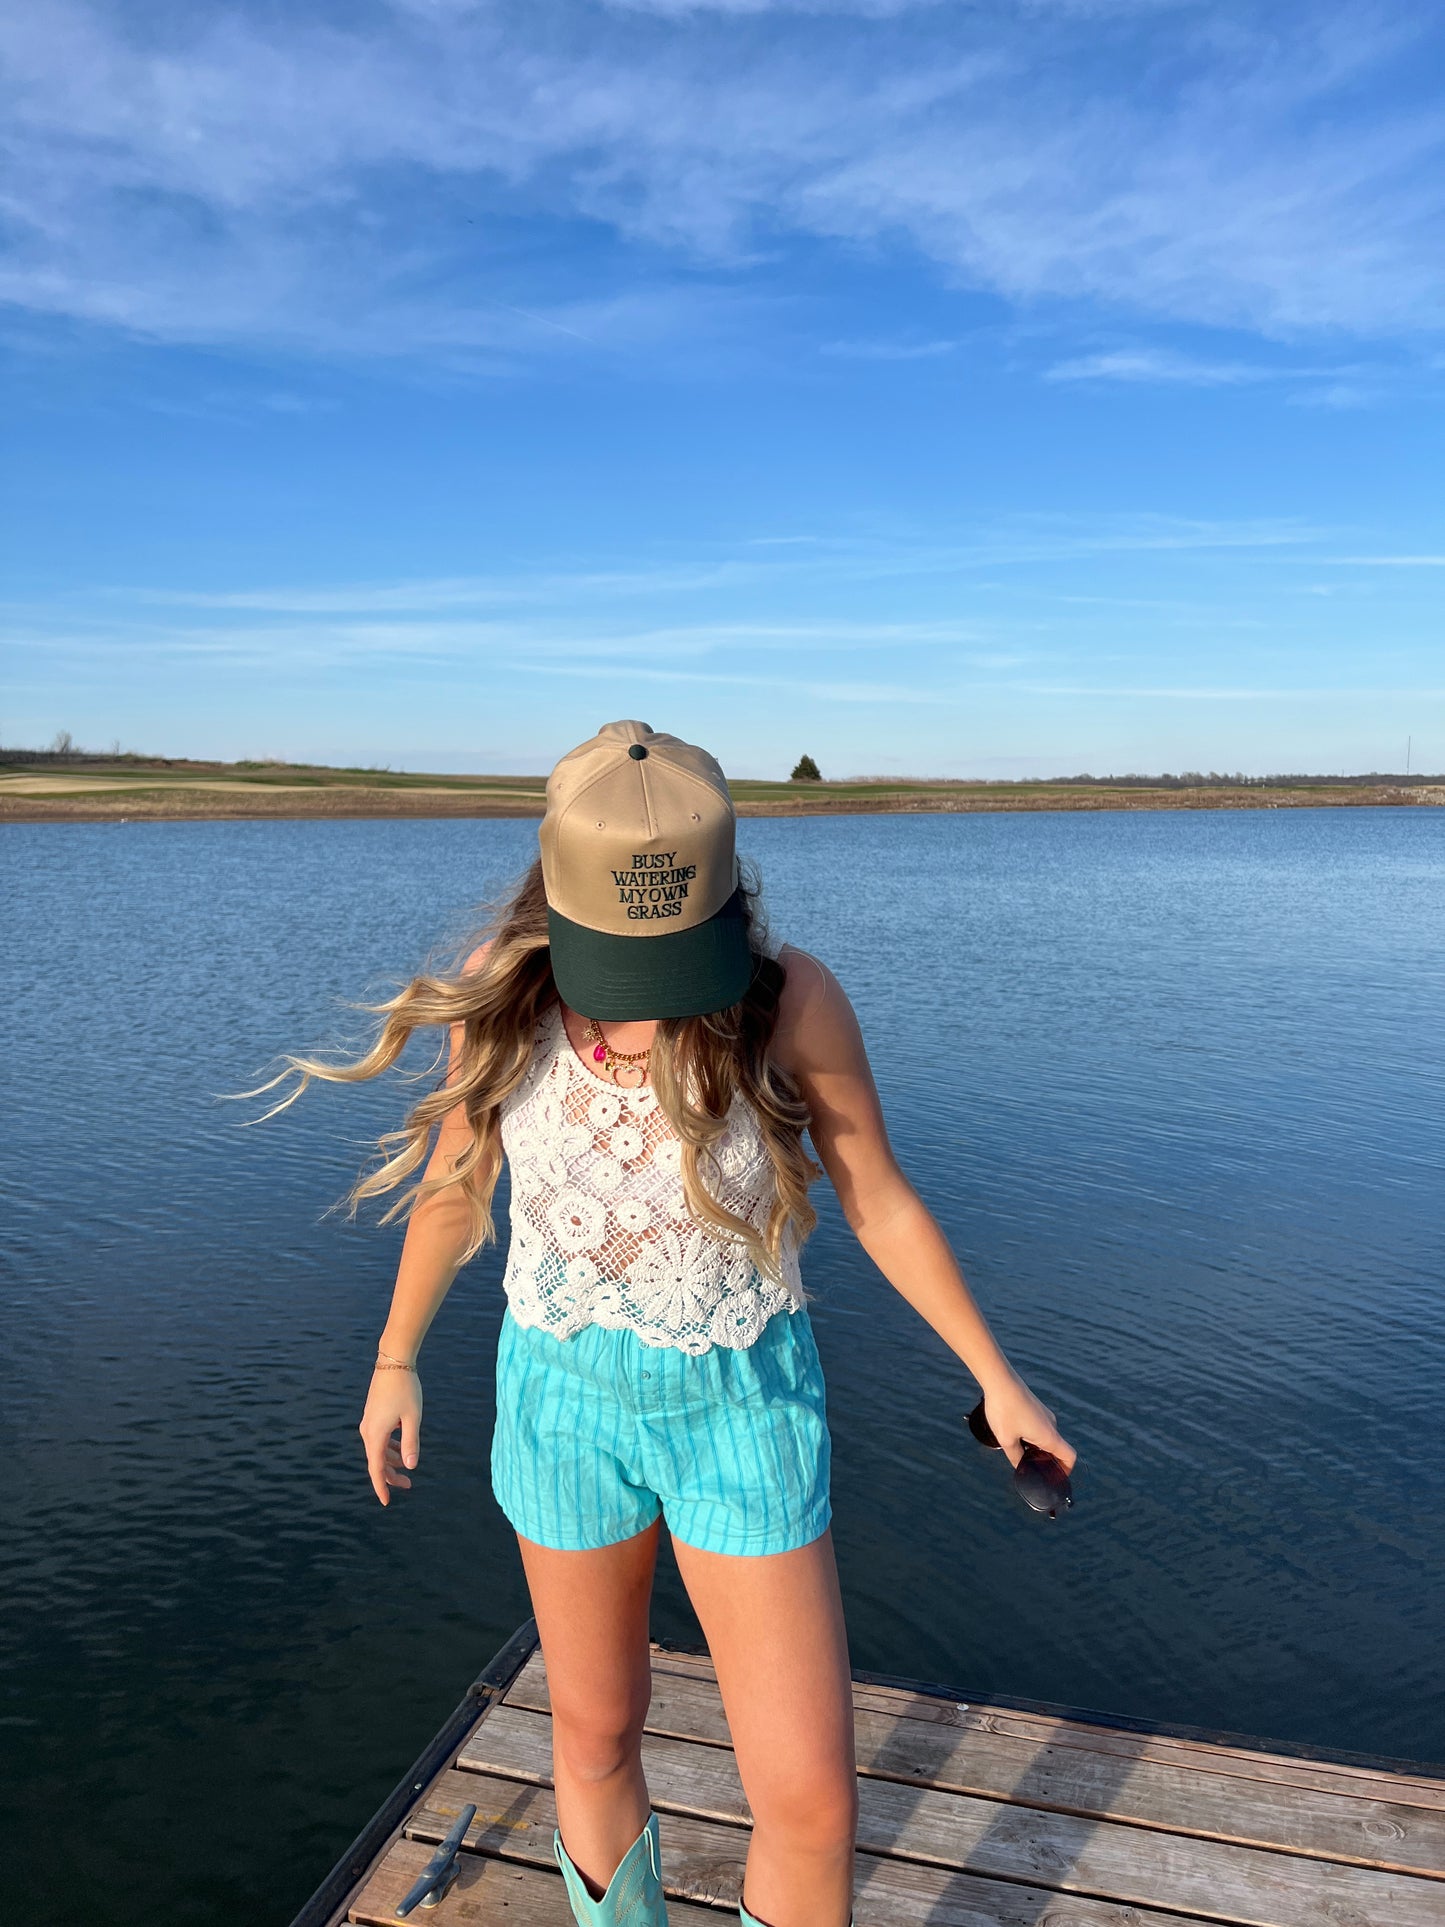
{"x":187,"y":803}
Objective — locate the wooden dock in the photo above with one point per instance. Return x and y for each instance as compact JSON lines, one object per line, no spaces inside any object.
{"x":1005,"y":1813}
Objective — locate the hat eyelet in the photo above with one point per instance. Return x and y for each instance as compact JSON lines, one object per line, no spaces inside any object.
{"x":600,"y":824}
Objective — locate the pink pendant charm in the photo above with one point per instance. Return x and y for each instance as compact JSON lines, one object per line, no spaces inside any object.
{"x":599,"y":1056}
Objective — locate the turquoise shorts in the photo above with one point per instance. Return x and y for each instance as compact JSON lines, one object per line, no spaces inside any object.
{"x":598,"y":1434}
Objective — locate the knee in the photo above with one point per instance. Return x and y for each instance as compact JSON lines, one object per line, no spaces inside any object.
{"x":817,"y":1814}
{"x":596,"y":1738}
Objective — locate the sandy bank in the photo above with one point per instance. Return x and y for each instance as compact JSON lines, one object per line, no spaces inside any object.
{"x":55,"y":798}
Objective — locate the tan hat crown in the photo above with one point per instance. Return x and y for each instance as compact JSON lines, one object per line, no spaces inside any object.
{"x":639,"y":836}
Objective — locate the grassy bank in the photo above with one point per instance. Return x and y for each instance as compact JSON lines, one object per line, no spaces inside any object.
{"x":96,"y":789}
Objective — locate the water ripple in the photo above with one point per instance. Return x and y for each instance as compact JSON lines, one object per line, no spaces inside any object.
{"x":1172,"y":1083}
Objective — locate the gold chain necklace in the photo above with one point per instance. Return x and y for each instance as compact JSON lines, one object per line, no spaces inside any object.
{"x":626,"y":1068}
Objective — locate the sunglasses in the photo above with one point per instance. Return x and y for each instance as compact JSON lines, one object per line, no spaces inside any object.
{"x":1039,"y":1478}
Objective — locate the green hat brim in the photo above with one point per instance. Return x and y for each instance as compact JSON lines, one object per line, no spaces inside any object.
{"x":682,"y":973}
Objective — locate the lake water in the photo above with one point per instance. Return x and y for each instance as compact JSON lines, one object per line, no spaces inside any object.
{"x":1174,"y":1084}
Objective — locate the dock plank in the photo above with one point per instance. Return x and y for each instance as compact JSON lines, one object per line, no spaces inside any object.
{"x":1064,"y":1852}
{"x":703,"y":1861}
{"x":1334,"y":1825}
{"x":1395,"y":1783}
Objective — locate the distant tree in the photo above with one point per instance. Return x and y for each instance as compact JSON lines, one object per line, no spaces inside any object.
{"x":806,"y":771}
{"x":64,"y":744}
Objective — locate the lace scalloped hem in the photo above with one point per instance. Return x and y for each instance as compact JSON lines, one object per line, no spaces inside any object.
{"x":734,"y":1323}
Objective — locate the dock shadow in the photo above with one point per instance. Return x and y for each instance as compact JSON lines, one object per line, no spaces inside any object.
{"x":1032,"y":1850}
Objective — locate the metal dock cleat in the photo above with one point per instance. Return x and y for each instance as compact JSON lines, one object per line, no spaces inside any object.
{"x":438,"y":1876}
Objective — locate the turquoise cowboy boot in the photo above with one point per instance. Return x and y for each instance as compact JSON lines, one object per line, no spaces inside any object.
{"x":747,"y":1920}
{"x":634,"y":1893}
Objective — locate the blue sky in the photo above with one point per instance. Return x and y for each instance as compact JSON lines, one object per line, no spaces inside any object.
{"x":1025,"y":386}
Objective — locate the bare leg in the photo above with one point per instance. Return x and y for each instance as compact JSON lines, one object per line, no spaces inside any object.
{"x":592,"y":1614}
{"x":775,"y":1629}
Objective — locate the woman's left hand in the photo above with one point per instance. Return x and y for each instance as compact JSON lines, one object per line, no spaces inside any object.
{"x":1016,"y":1417}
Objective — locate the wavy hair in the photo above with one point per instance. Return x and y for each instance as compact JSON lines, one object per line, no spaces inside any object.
{"x":699,"y":1066}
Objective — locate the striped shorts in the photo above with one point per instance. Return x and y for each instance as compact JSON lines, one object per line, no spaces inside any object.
{"x":598,"y":1434}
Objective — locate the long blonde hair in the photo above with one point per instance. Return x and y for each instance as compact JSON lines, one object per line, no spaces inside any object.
{"x":698,"y":1067}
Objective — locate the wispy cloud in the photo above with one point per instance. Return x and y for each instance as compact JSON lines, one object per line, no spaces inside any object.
{"x":757,"y":564}
{"x":1295,"y":692}
{"x":688,"y":9}
{"x":1348,"y":386}
{"x":816,"y":689}
{"x":345,"y":181}
{"x":677,"y":653}
{"x":888,"y":350}
{"x":739,"y":615}
{"x":1338,"y":394}
{"x":1158,"y":365}
{"x":452,"y":592}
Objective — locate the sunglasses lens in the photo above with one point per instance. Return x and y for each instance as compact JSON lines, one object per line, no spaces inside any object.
{"x":1042,"y":1483}
{"x":980,"y":1427}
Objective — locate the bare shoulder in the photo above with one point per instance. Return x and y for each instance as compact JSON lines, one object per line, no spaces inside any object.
{"x":808,"y":982}
{"x":478,"y":957}
{"x":814,"y":1014}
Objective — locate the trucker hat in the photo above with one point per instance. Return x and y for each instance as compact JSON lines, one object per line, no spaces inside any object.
{"x":639,"y":863}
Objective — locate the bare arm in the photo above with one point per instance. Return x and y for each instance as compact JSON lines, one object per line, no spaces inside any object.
{"x":437,"y":1234}
{"x":819,"y":1041}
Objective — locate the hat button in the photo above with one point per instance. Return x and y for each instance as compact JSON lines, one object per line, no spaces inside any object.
{"x":637,"y":751}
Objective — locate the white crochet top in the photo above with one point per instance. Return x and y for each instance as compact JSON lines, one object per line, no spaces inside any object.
{"x":601,"y":1232}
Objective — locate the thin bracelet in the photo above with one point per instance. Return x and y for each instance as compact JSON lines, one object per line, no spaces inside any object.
{"x":392,"y":1364}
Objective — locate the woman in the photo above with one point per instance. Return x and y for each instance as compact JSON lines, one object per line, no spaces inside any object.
{"x":648,"y":1061}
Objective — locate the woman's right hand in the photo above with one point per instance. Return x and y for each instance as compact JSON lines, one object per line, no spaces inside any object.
{"x":393,"y":1404}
